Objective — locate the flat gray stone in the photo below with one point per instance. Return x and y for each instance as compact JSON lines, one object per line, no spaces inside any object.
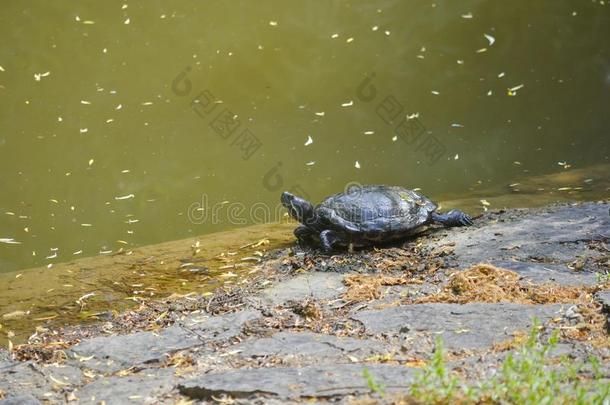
{"x":113,"y":353}
{"x":604,"y":298}
{"x":20,"y":400}
{"x":317,"y":285}
{"x":219,"y":327}
{"x":296,"y":382}
{"x":538,"y":244}
{"x":24,"y":380}
{"x":468,"y":326}
{"x":316,"y":347}
{"x":143,"y":387}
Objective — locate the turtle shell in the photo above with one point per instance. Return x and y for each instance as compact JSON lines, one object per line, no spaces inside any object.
{"x":384,"y":211}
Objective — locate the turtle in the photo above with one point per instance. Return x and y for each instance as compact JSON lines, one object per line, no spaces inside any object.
{"x":366,"y":215}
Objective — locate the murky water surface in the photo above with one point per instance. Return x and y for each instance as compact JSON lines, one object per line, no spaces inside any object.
{"x":125,"y":124}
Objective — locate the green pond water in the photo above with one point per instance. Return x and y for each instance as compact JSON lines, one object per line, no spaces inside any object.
{"x":125,"y":124}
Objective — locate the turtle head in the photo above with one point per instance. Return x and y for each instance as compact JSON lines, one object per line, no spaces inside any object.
{"x":299,"y":209}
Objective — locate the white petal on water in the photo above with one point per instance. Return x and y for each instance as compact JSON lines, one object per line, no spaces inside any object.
{"x":273,"y":23}
{"x":313,"y":162}
{"x":350,"y":39}
{"x":320,"y":114}
{"x":109,"y":120}
{"x":490,"y":39}
{"x":118,"y":107}
{"x":85,"y":102}
{"x":9,"y":241}
{"x":91,"y":162}
{"x":127,"y":21}
{"x":2,"y":69}
{"x":394,"y":138}
{"x":489,"y":93}
{"x":309,"y":141}
{"x":387,"y":33}
{"x":369,"y":132}
{"x":481,"y":50}
{"x":456,"y":157}
{"x":501,"y":74}
{"x":125,"y":171}
{"x":83,"y":130}
{"x":38,"y":76}
{"x":411,"y":116}
{"x":124,"y":197}
{"x":456,"y":125}
{"x":436,"y":93}
{"x":348,"y":104}
{"x":467,"y":16}
{"x":86,"y":225}
{"x":375,"y":28}
{"x":513,"y":89}
{"x":333,"y":36}
{"x":460,"y":62}
{"x":147,"y":103}
{"x":357,"y":165}
{"x":105,"y":50}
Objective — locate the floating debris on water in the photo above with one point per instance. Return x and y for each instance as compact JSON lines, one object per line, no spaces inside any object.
{"x":9,"y":241}
{"x":513,"y":90}
{"x":357,"y":165}
{"x":348,"y":104}
{"x":490,"y":39}
{"x":125,"y":197}
{"x":467,"y":16}
{"x":38,"y":76}
{"x":309,"y":141}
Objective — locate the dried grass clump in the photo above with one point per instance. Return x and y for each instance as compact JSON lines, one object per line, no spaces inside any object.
{"x":363,"y":287}
{"x":487,"y":283}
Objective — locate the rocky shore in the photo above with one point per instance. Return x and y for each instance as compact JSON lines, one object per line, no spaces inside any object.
{"x":310,"y":327}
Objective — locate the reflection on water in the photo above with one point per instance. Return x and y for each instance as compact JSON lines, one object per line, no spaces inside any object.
{"x":117,"y":118}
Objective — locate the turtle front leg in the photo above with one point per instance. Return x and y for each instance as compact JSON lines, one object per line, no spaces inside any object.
{"x":452,"y":218}
{"x":327,"y":239}
{"x":304,"y":234}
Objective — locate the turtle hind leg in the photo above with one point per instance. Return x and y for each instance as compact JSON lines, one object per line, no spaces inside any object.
{"x":327,"y":239}
{"x":452,"y":218}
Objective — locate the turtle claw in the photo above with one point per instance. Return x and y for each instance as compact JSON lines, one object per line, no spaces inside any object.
{"x":454,"y":218}
{"x":460,"y":218}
